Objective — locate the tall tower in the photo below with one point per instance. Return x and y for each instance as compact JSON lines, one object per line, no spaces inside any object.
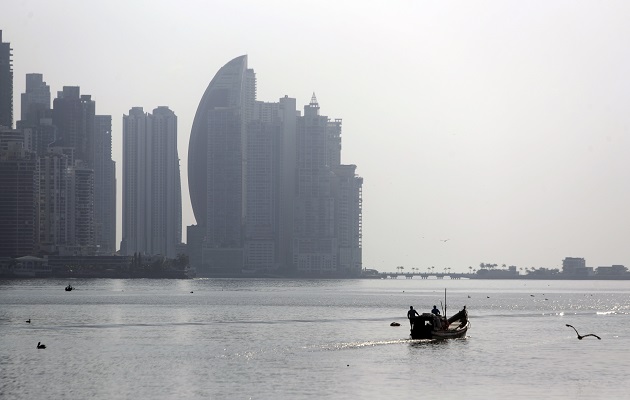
{"x":151,"y":183}
{"x":73,"y":115}
{"x":104,"y":186}
{"x":54,"y":202}
{"x":315,"y":241}
{"x":6,"y":84}
{"x":81,"y":227}
{"x":217,"y":164}
{"x":17,"y":197}
{"x":36,"y":116}
{"x":166,"y":190}
{"x":36,"y":99}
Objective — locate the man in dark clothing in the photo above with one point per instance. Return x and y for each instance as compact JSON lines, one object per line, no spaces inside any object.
{"x":411,"y":314}
{"x":435,"y":310}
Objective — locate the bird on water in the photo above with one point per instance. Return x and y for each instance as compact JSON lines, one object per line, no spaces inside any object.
{"x":580,"y":336}
{"x":28,"y":321}
{"x":40,"y":345}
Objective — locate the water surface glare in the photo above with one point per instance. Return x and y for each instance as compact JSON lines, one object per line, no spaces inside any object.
{"x":298,"y":339}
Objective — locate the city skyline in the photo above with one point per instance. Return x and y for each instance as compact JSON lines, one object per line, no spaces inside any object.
{"x":504,"y":134}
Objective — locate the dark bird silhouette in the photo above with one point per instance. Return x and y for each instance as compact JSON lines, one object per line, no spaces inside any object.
{"x":580,"y":336}
{"x":28,"y":321}
{"x":394,"y":324}
{"x":40,"y":345}
{"x":444,"y":240}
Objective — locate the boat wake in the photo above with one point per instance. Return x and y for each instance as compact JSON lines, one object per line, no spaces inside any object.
{"x":358,"y":345}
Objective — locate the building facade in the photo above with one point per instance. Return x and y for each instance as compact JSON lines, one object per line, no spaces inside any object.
{"x":6,"y":84}
{"x":217,"y":164}
{"x":151,"y":183}
{"x":35,"y":101}
{"x":104,"y":186}
{"x":18,"y":230}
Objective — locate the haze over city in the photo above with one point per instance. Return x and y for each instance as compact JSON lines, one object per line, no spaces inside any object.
{"x":500,"y":126}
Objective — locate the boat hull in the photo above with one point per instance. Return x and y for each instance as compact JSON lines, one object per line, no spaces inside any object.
{"x":429,"y":326}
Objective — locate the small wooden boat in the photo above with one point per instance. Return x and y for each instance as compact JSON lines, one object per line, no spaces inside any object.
{"x":431,"y":326}
{"x":69,"y":288}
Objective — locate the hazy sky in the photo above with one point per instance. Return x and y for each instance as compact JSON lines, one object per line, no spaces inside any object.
{"x":503,"y":126}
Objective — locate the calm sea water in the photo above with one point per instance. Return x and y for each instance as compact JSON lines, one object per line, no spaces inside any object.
{"x":289,"y":339}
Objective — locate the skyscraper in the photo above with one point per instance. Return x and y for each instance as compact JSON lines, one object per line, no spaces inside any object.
{"x":81,"y":226}
{"x":36,"y":116}
{"x":18,"y":195}
{"x":36,"y":98}
{"x":267,"y":185}
{"x":151,"y":183}
{"x":73,"y":115}
{"x":77,"y":127}
{"x":104,"y":186}
{"x":217,"y":163}
{"x":54,"y":202}
{"x":6,"y":84}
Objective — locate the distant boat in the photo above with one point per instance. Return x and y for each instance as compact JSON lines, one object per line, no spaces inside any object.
{"x":69,"y":288}
{"x":431,"y":326}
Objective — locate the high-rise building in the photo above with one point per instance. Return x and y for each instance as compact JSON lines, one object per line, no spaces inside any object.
{"x":77,"y":126}
{"x":315,"y":242}
{"x":6,"y":84}
{"x":73,"y":114}
{"x":53,"y":201}
{"x":36,"y":122}
{"x":267,"y":185}
{"x":104,"y":186}
{"x":36,"y":99}
{"x":18,"y":230}
{"x":81,"y":226}
{"x":217,"y":163}
{"x":151,"y":183}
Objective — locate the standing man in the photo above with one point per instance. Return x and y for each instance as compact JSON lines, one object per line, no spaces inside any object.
{"x":411,"y":314}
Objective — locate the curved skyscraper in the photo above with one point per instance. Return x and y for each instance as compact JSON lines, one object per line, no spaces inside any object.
{"x":216,"y":161}
{"x":267,"y":186}
{"x":216,"y":140}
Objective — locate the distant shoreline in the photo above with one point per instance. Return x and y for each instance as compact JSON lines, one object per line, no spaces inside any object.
{"x":297,"y":277}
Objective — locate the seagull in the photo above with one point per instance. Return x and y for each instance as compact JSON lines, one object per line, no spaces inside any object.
{"x":28,"y":321}
{"x":41,"y":346}
{"x":580,"y":336}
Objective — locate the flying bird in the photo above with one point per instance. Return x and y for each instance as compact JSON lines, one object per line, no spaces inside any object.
{"x":580,"y":336}
{"x":444,"y":240}
{"x":40,"y":345}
